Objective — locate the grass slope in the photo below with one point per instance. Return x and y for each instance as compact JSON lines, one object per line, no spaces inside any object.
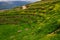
{"x":40,"y":21}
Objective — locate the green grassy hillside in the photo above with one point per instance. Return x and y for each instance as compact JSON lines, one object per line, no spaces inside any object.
{"x":40,"y":21}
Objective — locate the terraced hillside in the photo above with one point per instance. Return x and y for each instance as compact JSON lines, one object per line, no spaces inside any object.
{"x":40,"y":21}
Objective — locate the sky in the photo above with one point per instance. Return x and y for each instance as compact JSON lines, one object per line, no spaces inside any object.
{"x":19,"y":0}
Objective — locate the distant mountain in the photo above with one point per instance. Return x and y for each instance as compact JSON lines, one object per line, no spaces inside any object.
{"x":11,"y":4}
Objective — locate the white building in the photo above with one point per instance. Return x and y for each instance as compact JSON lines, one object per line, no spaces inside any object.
{"x":24,"y":7}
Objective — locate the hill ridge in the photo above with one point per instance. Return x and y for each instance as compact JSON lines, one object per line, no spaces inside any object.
{"x":37,"y":22}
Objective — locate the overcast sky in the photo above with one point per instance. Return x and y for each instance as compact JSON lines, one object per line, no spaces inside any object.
{"x":18,"y":0}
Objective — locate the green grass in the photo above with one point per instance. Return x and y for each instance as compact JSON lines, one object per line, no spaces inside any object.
{"x":31,"y":23}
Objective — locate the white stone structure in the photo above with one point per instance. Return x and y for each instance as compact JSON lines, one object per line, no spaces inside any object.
{"x":24,"y":7}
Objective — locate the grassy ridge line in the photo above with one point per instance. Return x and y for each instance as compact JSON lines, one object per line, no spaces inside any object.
{"x":40,"y":2}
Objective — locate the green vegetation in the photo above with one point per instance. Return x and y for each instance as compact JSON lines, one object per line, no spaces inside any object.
{"x":40,"y":21}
